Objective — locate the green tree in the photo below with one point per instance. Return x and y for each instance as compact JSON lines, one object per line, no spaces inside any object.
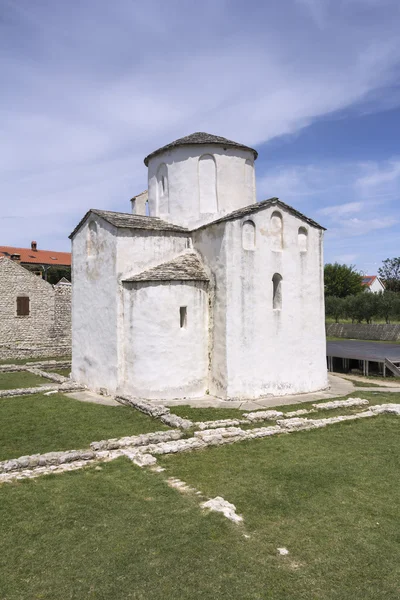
{"x":352,"y":309}
{"x":390,"y":273}
{"x":362,"y":307}
{"x":387,"y":305}
{"x":368,"y":306}
{"x":334,"y":307}
{"x":52,"y":273}
{"x":342,"y":280}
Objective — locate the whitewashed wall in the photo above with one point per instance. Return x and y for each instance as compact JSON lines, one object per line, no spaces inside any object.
{"x":275,"y":351}
{"x":161,"y":359}
{"x":139,"y":249}
{"x":127,"y":337}
{"x":211,"y":243}
{"x":189,"y":197}
{"x":256,"y":349}
{"x":102,"y":257}
{"x":376,"y":286}
{"x":94,"y":307}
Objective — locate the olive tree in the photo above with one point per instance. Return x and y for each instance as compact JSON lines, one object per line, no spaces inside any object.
{"x":387,"y":305}
{"x":334,"y":307}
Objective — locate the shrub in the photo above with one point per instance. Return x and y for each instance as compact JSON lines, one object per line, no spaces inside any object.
{"x":364,"y":307}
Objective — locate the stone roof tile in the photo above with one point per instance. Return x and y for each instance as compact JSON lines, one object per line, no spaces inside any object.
{"x":257,"y":206}
{"x":129,"y":221}
{"x":200,"y":137}
{"x":185,"y":267}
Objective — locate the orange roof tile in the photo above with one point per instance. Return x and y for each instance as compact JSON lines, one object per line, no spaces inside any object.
{"x":38,"y":257}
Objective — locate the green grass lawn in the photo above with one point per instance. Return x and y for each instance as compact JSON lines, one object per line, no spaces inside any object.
{"x":64,"y":372}
{"x":362,"y":383}
{"x":340,"y":339}
{"x":21,"y":379}
{"x":38,"y":424}
{"x":206,"y":414}
{"x":329,"y":496}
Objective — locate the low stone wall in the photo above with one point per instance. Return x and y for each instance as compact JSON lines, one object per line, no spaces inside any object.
{"x":18,"y":352}
{"x":363,"y":331}
{"x":45,"y":364}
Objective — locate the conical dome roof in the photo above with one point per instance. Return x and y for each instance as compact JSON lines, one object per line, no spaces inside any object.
{"x":200,"y":137}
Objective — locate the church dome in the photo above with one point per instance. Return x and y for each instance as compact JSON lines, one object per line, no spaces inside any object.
{"x":200,"y":137}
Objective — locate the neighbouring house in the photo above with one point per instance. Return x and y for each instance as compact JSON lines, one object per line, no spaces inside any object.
{"x":210,"y":293}
{"x":41,"y":262}
{"x":373,"y":284}
{"x":35,"y":316}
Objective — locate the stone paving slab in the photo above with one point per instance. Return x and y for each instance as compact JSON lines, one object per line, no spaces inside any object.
{"x":204,"y":402}
{"x":249,"y":405}
{"x":87,"y":396}
{"x":337,"y":387}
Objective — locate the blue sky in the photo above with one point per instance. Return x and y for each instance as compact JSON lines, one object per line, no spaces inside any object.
{"x":90,"y":87}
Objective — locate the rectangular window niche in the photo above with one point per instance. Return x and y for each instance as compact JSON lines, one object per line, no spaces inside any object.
{"x":183,"y":316}
{"x":22,"y":306}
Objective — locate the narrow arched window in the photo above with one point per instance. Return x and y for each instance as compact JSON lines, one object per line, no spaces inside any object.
{"x":277,"y":291}
{"x":208,"y":184}
{"x":92,"y":238}
{"x":248,"y":235}
{"x":276,"y":231}
{"x":302,"y":239}
{"x":162,"y":189}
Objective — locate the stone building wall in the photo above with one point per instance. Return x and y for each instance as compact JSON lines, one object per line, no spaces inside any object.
{"x":364,"y":331}
{"x":47,"y":328}
{"x":62,"y":331}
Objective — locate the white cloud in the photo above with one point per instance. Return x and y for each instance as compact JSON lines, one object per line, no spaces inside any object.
{"x":86,"y":94}
{"x":341,"y":210}
{"x":354,"y":227}
{"x":379,"y":178}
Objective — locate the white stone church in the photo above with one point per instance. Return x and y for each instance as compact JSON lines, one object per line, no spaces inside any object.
{"x":200,"y":290}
